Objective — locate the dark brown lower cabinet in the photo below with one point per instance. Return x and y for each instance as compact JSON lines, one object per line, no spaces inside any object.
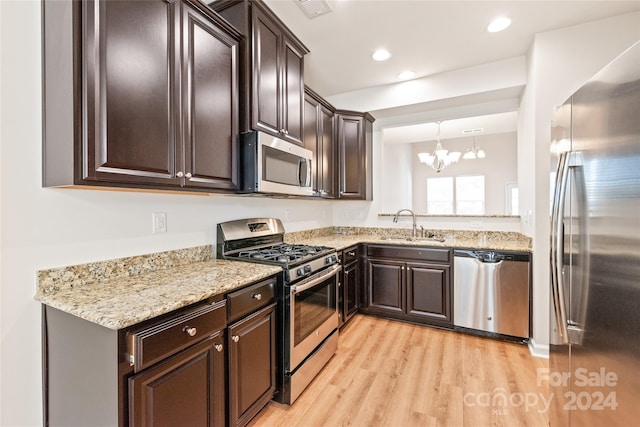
{"x":386,"y":286}
{"x":252,"y":352}
{"x":188,"y":387}
{"x":428,"y":293}
{"x":416,"y":291}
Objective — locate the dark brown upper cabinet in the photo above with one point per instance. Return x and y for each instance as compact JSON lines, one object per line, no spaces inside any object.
{"x":355,"y":133}
{"x":273,"y":84}
{"x":141,"y":94}
{"x":319,"y":137}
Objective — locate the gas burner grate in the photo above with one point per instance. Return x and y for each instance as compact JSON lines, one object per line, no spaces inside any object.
{"x":283,"y":253}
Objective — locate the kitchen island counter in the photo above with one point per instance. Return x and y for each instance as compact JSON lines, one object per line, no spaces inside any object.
{"x":122,"y":292}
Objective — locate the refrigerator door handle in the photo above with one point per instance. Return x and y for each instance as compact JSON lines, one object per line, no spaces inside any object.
{"x":557,"y":247}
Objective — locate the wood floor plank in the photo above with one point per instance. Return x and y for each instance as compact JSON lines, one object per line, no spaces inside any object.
{"x":388,"y":373}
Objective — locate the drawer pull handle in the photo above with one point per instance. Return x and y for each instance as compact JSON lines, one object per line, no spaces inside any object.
{"x":190,"y":331}
{"x":218,"y":347}
{"x":257,"y":296}
{"x":235,"y":338}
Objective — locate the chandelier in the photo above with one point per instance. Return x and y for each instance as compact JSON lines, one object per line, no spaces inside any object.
{"x":474,"y":152}
{"x":440,"y":158}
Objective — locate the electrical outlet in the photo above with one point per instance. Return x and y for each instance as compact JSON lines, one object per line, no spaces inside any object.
{"x":159,"y":222}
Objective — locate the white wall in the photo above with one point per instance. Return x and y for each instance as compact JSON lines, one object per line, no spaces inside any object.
{"x":43,"y":227}
{"x":396,"y":176}
{"x":559,"y":63}
{"x":498,"y":168}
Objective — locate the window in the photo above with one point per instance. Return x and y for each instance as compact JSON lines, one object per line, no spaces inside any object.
{"x":440,"y":196}
{"x":463,"y":195}
{"x":512,"y":198}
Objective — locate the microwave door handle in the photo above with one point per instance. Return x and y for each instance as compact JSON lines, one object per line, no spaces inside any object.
{"x":300,"y":162}
{"x":304,"y":176}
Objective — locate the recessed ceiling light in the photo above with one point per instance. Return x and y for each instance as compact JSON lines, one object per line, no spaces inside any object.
{"x":381,"y":55}
{"x":499,"y":24}
{"x":406,"y":75}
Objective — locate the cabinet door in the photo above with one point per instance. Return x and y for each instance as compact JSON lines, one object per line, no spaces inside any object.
{"x":251,"y":365}
{"x":131,"y":52}
{"x":266,"y":91}
{"x":385,"y":287}
{"x":429,"y":293}
{"x":351,"y":285}
{"x":351,"y":157}
{"x":293,"y":92}
{"x":188,"y":386}
{"x":210,"y":103}
{"x":327,"y":154}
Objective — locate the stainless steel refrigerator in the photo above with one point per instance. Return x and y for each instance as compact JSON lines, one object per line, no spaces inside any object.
{"x":594,"y":360}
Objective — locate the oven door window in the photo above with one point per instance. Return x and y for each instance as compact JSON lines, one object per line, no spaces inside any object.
{"x":312,"y":308}
{"x":282,"y":167}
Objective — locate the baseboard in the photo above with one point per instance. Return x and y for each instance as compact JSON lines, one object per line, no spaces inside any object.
{"x":538,"y":350}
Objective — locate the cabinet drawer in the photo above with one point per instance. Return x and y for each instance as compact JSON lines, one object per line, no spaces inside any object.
{"x":154,"y":343}
{"x":350,"y":255}
{"x":404,"y":252}
{"x":247,"y":300}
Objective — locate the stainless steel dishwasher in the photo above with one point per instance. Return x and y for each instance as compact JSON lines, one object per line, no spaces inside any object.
{"x":491,"y":291}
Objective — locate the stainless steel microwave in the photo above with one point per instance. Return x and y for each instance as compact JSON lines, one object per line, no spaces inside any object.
{"x":271,"y":165}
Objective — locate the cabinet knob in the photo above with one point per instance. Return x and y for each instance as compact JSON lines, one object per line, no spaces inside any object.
{"x":235,"y":338}
{"x":218,"y":347}
{"x":352,"y":253}
{"x":489,"y":318}
{"x":179,"y":174}
{"x":257,"y":296}
{"x":188,"y":175}
{"x":190,"y":331}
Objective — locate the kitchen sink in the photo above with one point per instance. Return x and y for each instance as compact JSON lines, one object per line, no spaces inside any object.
{"x":411,"y":239}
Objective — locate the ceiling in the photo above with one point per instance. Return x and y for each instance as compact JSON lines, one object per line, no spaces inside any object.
{"x":427,"y":37}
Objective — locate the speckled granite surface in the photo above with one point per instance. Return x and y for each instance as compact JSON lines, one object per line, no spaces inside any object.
{"x":343,"y":237}
{"x":123,"y":292}
{"x":55,"y":279}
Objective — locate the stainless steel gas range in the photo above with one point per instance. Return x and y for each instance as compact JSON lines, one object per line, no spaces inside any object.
{"x":308,"y":309}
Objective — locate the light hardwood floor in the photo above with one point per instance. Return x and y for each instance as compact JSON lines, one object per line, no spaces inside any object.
{"x":389,"y":373}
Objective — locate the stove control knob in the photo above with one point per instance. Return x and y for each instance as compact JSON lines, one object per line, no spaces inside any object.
{"x":328,"y":260}
{"x":307,"y":269}
{"x":299,"y":272}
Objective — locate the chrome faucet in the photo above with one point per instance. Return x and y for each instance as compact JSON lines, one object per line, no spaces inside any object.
{"x":414,"y":234}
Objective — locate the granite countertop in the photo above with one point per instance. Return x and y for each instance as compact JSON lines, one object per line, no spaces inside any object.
{"x":110,"y":294}
{"x":122,"y":292}
{"x":344,"y":237}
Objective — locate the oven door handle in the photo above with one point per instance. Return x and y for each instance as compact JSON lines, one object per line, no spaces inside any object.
{"x":331,"y":272}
